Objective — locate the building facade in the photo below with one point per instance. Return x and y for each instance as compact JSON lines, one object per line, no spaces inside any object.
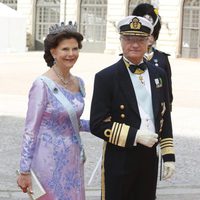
{"x":97,"y":19}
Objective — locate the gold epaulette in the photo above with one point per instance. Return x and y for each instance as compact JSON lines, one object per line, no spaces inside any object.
{"x":118,"y":134}
{"x":166,"y":146}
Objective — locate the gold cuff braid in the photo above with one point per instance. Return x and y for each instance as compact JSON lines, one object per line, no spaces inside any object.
{"x":118,"y":134}
{"x":166,"y":146}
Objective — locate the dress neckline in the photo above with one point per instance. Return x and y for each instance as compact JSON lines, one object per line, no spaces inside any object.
{"x":65,"y":89}
{"x":62,"y":87}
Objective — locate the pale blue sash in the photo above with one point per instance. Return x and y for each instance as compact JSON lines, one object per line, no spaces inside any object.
{"x":70,"y":109}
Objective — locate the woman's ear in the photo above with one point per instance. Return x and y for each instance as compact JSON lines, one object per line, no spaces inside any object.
{"x":53,"y":53}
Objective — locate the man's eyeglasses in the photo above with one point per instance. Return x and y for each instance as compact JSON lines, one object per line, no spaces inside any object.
{"x":133,"y":39}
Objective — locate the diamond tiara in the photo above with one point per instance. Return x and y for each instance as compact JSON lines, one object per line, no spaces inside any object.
{"x":56,"y":28}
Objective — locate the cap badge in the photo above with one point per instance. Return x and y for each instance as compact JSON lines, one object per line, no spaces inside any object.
{"x":135,"y":24}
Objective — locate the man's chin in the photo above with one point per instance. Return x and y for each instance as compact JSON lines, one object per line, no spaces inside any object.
{"x":135,"y":57}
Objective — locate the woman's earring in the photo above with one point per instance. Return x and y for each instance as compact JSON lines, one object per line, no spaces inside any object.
{"x":54,"y":62}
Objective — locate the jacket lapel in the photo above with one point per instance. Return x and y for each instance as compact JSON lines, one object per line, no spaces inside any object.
{"x":126,"y":86}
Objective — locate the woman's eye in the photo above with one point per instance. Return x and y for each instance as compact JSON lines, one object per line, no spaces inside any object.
{"x":75,"y":49}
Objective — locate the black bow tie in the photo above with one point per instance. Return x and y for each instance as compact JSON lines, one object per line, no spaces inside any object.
{"x":141,"y":66}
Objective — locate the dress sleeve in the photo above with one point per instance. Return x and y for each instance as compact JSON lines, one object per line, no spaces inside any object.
{"x":36,"y":107}
{"x":84,"y":125}
{"x":82,"y":86}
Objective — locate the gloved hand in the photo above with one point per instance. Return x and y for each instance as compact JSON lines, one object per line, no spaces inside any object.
{"x":146,"y":138}
{"x":169,"y":169}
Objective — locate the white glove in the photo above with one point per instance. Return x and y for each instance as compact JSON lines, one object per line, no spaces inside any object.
{"x":146,"y":138}
{"x":169,"y":169}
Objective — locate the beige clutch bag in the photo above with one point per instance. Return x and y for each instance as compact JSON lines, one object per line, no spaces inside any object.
{"x":37,"y":188}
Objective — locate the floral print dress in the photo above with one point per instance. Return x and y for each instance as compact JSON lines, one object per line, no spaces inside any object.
{"x":50,"y":147}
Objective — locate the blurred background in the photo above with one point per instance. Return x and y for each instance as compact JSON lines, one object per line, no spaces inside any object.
{"x":24,"y":24}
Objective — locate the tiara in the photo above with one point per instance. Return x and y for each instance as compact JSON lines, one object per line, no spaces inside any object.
{"x":56,"y":28}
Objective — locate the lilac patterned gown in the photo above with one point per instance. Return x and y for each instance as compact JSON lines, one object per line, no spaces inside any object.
{"x":49,"y":144}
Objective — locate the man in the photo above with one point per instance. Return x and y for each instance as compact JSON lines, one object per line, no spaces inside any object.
{"x":130,"y":112}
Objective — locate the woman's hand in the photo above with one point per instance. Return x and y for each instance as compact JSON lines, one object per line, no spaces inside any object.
{"x":24,"y":182}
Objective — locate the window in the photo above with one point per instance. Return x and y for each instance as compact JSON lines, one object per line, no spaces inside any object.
{"x":10,"y":3}
{"x":191,"y":29}
{"x":47,"y":13}
{"x":93,"y":22}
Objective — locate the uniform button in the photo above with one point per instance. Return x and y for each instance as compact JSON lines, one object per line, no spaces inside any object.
{"x":122,"y":115}
{"x":122,"y":107}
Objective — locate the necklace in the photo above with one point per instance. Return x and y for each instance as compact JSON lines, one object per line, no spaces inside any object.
{"x":61,"y":78}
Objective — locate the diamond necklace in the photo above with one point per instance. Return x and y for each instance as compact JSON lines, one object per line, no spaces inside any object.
{"x":61,"y":78}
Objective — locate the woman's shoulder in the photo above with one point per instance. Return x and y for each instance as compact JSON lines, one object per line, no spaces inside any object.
{"x":38,"y":89}
{"x":38,"y":83}
{"x":81,"y":85}
{"x":80,"y":80}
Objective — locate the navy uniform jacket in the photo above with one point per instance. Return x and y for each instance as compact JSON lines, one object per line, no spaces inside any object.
{"x":114,"y":111}
{"x":160,"y":59}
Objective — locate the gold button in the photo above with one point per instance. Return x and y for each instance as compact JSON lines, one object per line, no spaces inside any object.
{"x":122,"y":115}
{"x":122,"y":107}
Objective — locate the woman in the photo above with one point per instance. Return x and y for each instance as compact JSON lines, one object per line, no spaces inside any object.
{"x":51,"y":146}
{"x":154,"y":56}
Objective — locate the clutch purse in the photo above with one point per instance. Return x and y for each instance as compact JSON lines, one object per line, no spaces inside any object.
{"x":37,"y":188}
